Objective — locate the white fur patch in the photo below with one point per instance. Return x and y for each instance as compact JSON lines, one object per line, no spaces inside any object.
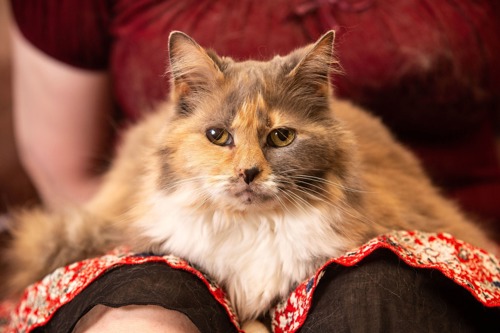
{"x":256,"y":256}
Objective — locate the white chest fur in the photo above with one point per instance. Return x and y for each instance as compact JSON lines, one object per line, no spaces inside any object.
{"x":257,"y":257}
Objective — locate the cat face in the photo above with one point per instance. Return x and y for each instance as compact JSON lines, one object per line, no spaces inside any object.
{"x":252,"y":136}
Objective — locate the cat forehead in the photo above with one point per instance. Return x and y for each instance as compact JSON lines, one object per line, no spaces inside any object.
{"x":253,"y":113}
{"x":255,"y":81}
{"x":244,"y":107}
{"x":249,"y":70}
{"x":257,"y":90}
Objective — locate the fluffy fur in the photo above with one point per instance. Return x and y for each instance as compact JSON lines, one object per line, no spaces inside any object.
{"x":257,"y":217}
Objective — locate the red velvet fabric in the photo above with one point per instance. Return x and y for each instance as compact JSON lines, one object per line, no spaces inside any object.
{"x":428,"y":68}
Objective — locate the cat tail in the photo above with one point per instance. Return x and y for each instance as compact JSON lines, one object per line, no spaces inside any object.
{"x":42,"y":241}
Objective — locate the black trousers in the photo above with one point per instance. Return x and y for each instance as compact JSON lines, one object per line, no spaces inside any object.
{"x":381,"y":294}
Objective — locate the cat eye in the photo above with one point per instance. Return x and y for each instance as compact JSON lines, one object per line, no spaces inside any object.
{"x":219,"y":136}
{"x":281,"y":137}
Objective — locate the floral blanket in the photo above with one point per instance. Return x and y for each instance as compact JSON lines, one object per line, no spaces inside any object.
{"x":470,"y":267}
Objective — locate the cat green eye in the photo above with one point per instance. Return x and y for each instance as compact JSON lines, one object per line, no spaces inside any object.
{"x":219,"y":136}
{"x":281,"y":137}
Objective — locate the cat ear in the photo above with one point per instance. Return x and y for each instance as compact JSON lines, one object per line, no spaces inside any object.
{"x":314,"y":68}
{"x":193,"y":69}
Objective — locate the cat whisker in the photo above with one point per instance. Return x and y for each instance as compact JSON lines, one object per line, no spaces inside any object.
{"x":321,"y":197}
{"x":341,"y":204}
{"x":288,"y":197}
{"x":315,"y":194}
{"x":176,"y":184}
{"x":198,"y":193}
{"x":297,"y":201}
{"x":319,"y":193}
{"x":290,"y":174}
{"x":283,"y":205}
{"x":326,"y":181}
{"x":202,"y":200}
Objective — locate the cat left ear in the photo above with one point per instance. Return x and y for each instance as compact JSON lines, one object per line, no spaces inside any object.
{"x":193,"y":70}
{"x":316,"y":65}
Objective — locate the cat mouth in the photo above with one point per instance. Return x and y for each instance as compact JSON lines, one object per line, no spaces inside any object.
{"x":249,"y":196}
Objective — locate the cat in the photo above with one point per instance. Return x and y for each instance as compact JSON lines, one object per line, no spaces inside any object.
{"x":251,"y":171}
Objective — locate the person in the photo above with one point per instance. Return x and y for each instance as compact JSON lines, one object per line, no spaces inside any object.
{"x":82,"y":69}
{"x":59,"y":102}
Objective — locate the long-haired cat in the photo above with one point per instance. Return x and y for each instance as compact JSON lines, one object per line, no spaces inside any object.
{"x":253,"y":172}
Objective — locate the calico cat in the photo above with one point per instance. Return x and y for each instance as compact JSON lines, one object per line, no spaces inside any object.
{"x":253,"y":172}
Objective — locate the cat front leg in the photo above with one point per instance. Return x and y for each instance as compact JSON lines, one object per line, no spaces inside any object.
{"x":254,"y":326}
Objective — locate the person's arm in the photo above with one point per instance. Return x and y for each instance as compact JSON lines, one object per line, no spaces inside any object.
{"x":61,"y":118}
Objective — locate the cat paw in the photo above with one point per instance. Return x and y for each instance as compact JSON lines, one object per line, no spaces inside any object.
{"x":254,"y":326}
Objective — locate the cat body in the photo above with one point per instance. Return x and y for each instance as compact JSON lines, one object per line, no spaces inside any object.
{"x":253,"y":172}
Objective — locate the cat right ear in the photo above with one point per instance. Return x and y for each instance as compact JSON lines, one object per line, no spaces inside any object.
{"x":193,"y":71}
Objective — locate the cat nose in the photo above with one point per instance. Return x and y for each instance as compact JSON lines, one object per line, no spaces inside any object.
{"x":250,"y":174}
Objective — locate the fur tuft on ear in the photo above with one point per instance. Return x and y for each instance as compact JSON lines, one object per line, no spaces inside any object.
{"x":315,"y":67}
{"x":193,"y":70}
{"x":307,"y":76}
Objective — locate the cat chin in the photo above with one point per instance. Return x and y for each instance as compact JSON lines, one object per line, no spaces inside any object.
{"x":249,"y":199}
{"x":243,"y":206}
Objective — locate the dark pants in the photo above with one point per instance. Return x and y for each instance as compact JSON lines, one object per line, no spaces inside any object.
{"x":381,"y":294}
